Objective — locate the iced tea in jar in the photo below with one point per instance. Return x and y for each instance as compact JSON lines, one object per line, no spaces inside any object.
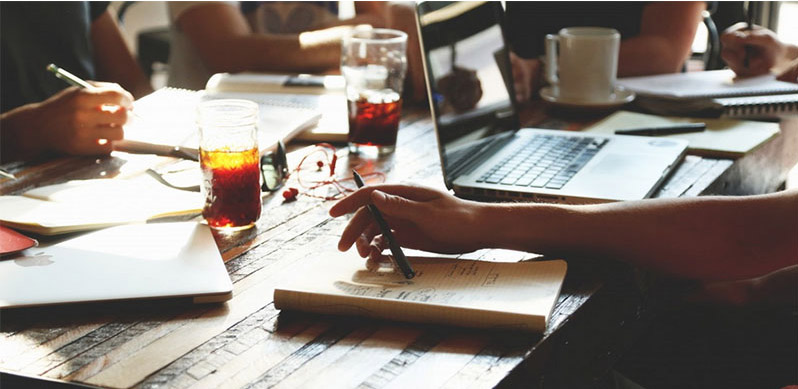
{"x":229,"y":159}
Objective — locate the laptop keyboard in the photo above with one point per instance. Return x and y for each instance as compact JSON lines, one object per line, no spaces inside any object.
{"x":544,"y":161}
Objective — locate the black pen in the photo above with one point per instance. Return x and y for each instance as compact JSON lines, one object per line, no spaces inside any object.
{"x":398,"y":256}
{"x":679,"y":128}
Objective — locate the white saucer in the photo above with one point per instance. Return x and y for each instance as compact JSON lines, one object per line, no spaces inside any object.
{"x":619,"y":98}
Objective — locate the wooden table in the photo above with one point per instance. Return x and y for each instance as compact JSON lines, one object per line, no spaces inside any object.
{"x":247,"y":342}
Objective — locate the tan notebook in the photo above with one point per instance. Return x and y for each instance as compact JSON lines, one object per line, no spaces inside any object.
{"x":723,"y":138}
{"x":91,"y":204}
{"x":480,"y":294}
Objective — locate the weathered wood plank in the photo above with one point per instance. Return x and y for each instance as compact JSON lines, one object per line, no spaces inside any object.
{"x":343,"y":366}
{"x":193,"y":333}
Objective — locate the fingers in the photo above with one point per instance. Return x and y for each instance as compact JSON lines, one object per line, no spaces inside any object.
{"x":396,"y":206}
{"x":791,"y":74}
{"x":105,"y":96}
{"x":359,"y":222}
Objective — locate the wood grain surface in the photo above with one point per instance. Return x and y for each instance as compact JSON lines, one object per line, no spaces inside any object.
{"x":247,"y":343}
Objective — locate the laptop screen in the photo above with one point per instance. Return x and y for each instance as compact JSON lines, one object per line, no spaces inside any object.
{"x":469,"y":78}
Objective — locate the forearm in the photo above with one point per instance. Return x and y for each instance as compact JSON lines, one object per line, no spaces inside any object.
{"x":667,"y":31}
{"x":307,"y":52}
{"x":713,"y":238}
{"x":647,"y":55}
{"x":17,"y":135}
{"x":232,"y":46}
{"x":114,"y":61}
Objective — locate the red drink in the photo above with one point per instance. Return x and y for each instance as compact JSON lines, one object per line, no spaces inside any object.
{"x":374,"y":123}
{"x":231,"y":185}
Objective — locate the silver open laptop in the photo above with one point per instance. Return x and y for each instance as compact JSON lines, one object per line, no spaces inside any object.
{"x":130,"y":262}
{"x":483,"y":152}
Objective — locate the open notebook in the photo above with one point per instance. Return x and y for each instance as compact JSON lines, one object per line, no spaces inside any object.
{"x":167,"y":117}
{"x":716,"y":93}
{"x":82,"y":205}
{"x":323,"y":94}
{"x":480,"y":294}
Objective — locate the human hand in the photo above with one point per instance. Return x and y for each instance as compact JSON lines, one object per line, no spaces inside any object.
{"x":765,"y":50}
{"x":81,"y":121}
{"x":790,"y":74}
{"x":526,"y":77}
{"x":777,"y":287}
{"x":421,"y":218}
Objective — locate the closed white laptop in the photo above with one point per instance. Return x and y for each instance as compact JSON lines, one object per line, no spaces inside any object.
{"x":483,"y":152}
{"x":130,"y":262}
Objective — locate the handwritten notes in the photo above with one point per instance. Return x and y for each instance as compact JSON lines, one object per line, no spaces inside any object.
{"x":482,"y":294}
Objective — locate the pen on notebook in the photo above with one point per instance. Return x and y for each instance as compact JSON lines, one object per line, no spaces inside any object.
{"x":398,"y":255}
{"x":679,"y":128}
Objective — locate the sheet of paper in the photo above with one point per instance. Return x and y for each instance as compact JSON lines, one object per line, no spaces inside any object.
{"x":724,"y":138}
{"x":715,"y":83}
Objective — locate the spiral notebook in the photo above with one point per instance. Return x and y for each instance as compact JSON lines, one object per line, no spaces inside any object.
{"x":716,"y":93}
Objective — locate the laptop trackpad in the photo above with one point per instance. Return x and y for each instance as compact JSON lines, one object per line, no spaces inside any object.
{"x":625,"y":166}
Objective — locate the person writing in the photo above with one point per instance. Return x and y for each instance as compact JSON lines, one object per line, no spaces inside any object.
{"x":766,"y":53}
{"x":741,"y":251}
{"x":656,"y":37}
{"x":750,"y":241}
{"x":43,"y":115}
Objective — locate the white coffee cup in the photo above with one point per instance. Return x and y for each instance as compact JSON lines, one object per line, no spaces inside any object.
{"x":586,"y":67}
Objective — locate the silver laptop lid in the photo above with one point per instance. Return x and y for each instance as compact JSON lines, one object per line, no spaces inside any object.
{"x":469,"y":91}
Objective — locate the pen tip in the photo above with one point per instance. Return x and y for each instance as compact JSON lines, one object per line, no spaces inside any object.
{"x":51,"y":67}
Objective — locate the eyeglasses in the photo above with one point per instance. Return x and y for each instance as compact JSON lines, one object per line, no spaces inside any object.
{"x":273,"y":170}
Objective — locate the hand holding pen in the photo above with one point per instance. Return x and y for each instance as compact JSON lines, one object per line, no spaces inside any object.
{"x":420,"y":218}
{"x":83,"y":120}
{"x":751,"y":50}
{"x":399,"y":259}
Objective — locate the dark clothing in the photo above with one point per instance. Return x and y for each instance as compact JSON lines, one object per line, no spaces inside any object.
{"x":697,"y":346}
{"x":528,"y":22}
{"x":35,"y":34}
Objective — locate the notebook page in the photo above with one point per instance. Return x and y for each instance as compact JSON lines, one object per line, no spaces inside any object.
{"x":723,"y":138}
{"x":475,"y":293}
{"x":715,"y":83}
{"x":168,"y":117}
{"x":88,"y":204}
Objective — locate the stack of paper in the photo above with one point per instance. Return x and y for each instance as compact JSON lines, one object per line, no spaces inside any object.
{"x":717,"y":93}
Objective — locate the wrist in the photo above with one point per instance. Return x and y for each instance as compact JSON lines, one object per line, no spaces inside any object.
{"x":791,"y":51}
{"x":20,"y":133}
